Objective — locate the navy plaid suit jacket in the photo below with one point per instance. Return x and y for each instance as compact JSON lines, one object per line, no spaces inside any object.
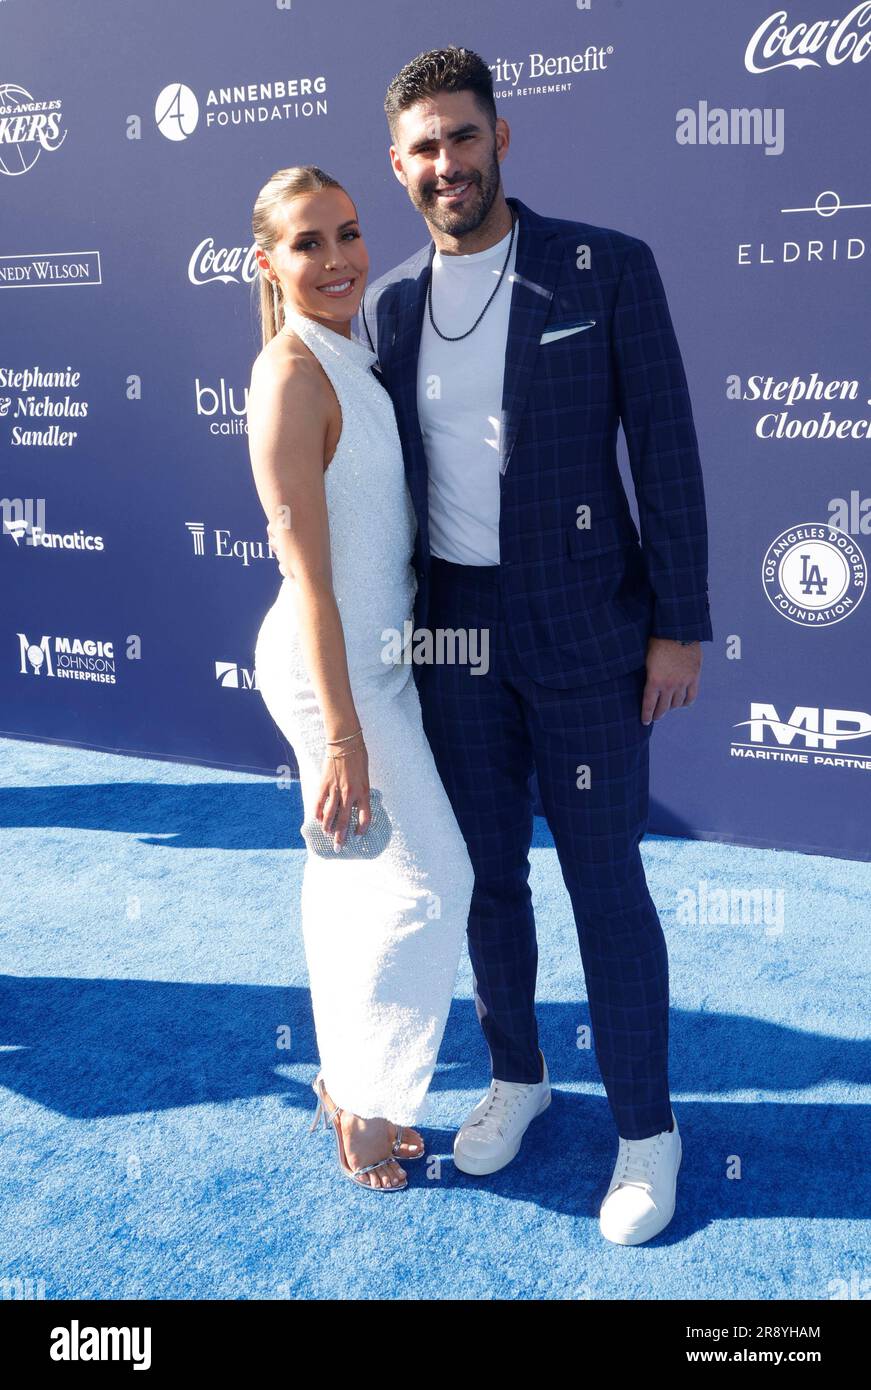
{"x":587,"y":348}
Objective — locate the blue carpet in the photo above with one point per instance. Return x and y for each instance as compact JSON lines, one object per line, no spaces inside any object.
{"x":154,"y":1136}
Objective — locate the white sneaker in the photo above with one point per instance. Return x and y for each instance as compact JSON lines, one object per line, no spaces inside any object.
{"x":641,"y":1199}
{"x":491,"y":1135}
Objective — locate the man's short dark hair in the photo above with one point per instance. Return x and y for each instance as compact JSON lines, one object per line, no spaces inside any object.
{"x":449,"y":69}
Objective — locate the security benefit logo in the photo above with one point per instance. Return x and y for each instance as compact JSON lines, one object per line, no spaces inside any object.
{"x":814,"y":575}
{"x":809,"y":737}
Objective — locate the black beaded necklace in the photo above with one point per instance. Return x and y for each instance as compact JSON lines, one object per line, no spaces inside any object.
{"x":489,"y":301}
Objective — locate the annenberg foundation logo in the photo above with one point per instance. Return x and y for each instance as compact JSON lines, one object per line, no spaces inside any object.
{"x":27,"y":127}
{"x":177,"y":111}
{"x":814,"y":575}
{"x":837,"y":40}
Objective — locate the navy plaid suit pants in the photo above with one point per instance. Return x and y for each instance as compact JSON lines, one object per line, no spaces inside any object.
{"x":488,"y":733}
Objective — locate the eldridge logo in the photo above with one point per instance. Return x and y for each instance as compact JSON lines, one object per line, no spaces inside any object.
{"x":75,"y":1343}
{"x":27,"y":127}
{"x":814,"y":575}
{"x":838,"y":37}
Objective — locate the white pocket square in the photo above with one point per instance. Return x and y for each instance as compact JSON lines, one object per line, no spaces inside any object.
{"x":553,"y":333}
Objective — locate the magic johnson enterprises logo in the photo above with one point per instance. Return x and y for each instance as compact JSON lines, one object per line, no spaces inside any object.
{"x":814,"y":575}
{"x":809,"y":737}
{"x":778,"y":44}
{"x":177,"y":109}
{"x":27,"y":128}
{"x":73,"y":658}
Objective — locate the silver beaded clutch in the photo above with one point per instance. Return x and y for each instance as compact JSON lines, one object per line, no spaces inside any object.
{"x":367,"y":846}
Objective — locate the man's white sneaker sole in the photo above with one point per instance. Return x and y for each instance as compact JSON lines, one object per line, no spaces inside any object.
{"x":481,"y":1166}
{"x":616,"y":1227}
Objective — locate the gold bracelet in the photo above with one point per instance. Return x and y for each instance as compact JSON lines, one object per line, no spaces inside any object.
{"x":347,"y":753}
{"x":347,"y":737}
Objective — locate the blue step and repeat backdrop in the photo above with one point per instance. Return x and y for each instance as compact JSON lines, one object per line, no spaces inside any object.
{"x":733,"y":138}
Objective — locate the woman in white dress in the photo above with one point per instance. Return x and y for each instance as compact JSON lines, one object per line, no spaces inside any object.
{"x":382,"y":935}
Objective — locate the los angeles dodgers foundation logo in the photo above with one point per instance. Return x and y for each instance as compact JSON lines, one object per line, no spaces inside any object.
{"x":814,"y":575}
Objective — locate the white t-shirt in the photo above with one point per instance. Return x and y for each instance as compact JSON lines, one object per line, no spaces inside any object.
{"x":459,"y":401}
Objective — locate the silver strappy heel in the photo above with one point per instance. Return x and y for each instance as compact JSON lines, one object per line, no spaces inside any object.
{"x":397,"y":1145}
{"x":330,"y":1118}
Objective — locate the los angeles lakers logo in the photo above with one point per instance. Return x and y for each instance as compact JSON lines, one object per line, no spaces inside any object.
{"x":814,"y":575}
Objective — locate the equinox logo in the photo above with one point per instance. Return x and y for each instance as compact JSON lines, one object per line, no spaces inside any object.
{"x":75,"y":1343}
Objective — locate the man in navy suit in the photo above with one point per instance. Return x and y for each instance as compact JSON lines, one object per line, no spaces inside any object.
{"x":512,"y":345}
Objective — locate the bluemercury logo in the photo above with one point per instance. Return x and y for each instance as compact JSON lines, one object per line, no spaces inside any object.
{"x":839,"y":40}
{"x":77,"y":1343}
{"x":226,"y":414}
{"x":27,"y":127}
{"x":814,"y":575}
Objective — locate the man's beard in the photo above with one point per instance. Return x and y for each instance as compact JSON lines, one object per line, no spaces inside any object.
{"x":468,"y":215}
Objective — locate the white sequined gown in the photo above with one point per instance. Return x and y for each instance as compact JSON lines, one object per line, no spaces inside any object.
{"x":382,"y":936}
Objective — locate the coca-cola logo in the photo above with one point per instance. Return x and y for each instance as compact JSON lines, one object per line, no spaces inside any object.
{"x":230,"y":264}
{"x":838,"y":40}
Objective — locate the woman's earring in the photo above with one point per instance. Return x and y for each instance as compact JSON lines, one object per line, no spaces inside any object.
{"x":275,"y":304}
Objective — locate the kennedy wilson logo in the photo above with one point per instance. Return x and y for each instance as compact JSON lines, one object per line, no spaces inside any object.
{"x":779,"y":43}
{"x":814,"y":575}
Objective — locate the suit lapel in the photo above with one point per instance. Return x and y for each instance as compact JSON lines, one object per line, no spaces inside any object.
{"x":536,"y":269}
{"x":535,"y":275}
